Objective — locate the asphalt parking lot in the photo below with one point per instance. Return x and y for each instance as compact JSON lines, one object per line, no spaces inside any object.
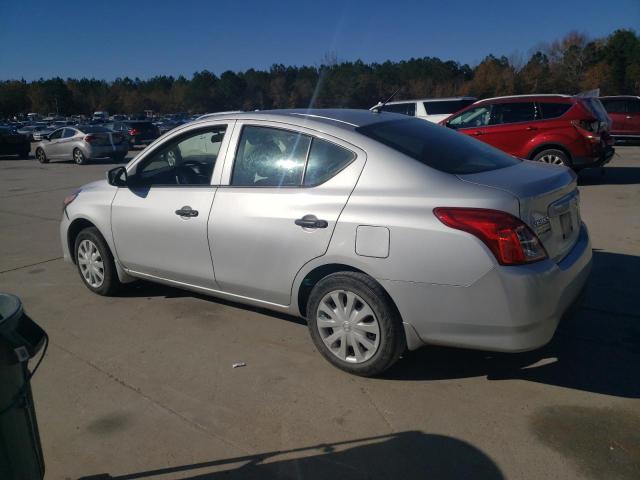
{"x":142,"y":385}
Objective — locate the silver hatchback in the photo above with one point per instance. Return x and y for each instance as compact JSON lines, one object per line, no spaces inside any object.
{"x":384,"y":232}
{"x":82,"y":143}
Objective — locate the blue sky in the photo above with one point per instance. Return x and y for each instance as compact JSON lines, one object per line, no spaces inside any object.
{"x":143,"y":38}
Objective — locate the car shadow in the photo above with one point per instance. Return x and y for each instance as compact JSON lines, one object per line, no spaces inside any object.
{"x":609,"y":176}
{"x":595,"y":349}
{"x":407,"y":455}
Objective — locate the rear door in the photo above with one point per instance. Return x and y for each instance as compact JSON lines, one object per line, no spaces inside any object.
{"x":617,"y":110}
{"x":284,"y":192}
{"x":511,"y":126}
{"x":632,"y":118}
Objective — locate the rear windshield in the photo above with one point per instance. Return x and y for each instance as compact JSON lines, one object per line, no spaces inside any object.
{"x":595,"y":107}
{"x":444,"y":107}
{"x":438,"y":147}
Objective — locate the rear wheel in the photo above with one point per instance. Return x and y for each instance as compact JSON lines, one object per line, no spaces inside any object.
{"x":41,"y":156}
{"x":79,"y":157}
{"x":354,"y":324}
{"x":95,"y":262}
{"x":553,"y":157}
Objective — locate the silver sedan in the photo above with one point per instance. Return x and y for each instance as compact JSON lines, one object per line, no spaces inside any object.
{"x":384,"y":232}
{"x":82,"y":143}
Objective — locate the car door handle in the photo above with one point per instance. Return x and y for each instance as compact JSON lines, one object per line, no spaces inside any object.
{"x":310,"y":221}
{"x":476,"y":133}
{"x":628,"y":117}
{"x":187,"y":212}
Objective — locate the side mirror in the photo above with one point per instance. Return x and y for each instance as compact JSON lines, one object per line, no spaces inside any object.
{"x":117,"y":177}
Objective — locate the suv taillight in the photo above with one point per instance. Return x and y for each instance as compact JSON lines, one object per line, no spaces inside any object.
{"x":133,"y":132}
{"x":90,"y":138}
{"x":511,"y":241}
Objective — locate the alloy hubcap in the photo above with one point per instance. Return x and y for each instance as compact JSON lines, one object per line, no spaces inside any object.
{"x":553,"y":159}
{"x":348,"y":326}
{"x":78,"y":156}
{"x":90,"y":262}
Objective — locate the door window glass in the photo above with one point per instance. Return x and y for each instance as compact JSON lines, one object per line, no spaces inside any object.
{"x":614,"y":105}
{"x":475,"y":117}
{"x":633,"y":106}
{"x":270,"y":157}
{"x":68,"y":133}
{"x":325,"y":160}
{"x":512,"y":113}
{"x":188,"y":160}
{"x":553,"y":110}
{"x":403,"y":108}
{"x":56,"y":134}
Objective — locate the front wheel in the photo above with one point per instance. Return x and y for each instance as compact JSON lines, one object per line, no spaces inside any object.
{"x":354,"y":324}
{"x":95,"y":262}
{"x":79,"y":157}
{"x":41,"y":156}
{"x":553,"y":157}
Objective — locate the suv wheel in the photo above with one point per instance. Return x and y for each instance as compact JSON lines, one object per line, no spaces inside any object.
{"x":95,"y":262}
{"x":41,"y":156}
{"x":354,"y":324}
{"x":554,"y":157}
{"x":79,"y":157}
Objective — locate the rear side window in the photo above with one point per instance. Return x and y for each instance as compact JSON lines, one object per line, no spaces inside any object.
{"x":438,"y":147}
{"x":446,"y":106}
{"x":553,"y":110}
{"x":512,"y":113}
{"x":68,"y":133}
{"x":403,"y":108}
{"x":270,"y":157}
{"x":325,"y":160}
{"x":614,"y":105}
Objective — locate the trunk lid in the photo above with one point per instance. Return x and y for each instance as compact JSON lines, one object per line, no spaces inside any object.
{"x":548,"y":198}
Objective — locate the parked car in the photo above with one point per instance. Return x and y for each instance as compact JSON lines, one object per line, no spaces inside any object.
{"x":431,"y":109}
{"x":558,"y":129}
{"x":624,"y":111}
{"x":13,"y":143}
{"x":385,"y":232}
{"x":138,"y":132}
{"x":81,"y":144}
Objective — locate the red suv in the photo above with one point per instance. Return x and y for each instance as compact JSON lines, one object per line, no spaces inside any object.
{"x":558,"y":129}
{"x":624,"y":111}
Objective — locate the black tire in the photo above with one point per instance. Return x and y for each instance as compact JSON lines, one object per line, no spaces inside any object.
{"x":392,"y":342}
{"x":79,"y":157}
{"x":110,"y":283}
{"x":553,"y":156}
{"x":41,"y":156}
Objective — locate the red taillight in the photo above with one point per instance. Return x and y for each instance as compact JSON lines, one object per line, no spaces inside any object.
{"x":510,"y":240}
{"x":133,"y":132}
{"x":90,"y":138}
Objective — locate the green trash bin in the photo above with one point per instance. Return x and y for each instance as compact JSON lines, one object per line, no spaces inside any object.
{"x":20,"y":340}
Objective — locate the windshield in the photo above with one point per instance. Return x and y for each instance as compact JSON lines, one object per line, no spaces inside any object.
{"x":438,"y":147}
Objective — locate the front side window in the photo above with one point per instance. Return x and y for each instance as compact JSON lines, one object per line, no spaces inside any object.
{"x":403,"y":108}
{"x":614,"y":105}
{"x":512,"y":113}
{"x":474,"y":117}
{"x":633,"y":106}
{"x":57,"y":134}
{"x":270,"y":157}
{"x":188,"y":160}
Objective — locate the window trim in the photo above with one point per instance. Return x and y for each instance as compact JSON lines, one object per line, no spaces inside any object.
{"x":306,"y":159}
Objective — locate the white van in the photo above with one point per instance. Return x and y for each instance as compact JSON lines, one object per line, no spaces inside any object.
{"x":431,"y":109}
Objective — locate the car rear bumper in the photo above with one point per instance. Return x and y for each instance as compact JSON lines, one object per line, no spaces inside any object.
{"x":105,"y":151}
{"x":510,"y":309}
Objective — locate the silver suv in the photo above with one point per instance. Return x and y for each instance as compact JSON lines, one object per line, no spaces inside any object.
{"x":384,"y":232}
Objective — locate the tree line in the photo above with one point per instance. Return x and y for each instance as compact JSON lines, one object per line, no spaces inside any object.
{"x":572,"y":64}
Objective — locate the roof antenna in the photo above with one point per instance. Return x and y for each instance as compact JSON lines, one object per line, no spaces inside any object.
{"x":377,"y":108}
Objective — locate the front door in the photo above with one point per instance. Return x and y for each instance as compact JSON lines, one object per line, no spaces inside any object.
{"x":53,"y":147}
{"x":159,"y":223}
{"x":286,"y":189}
